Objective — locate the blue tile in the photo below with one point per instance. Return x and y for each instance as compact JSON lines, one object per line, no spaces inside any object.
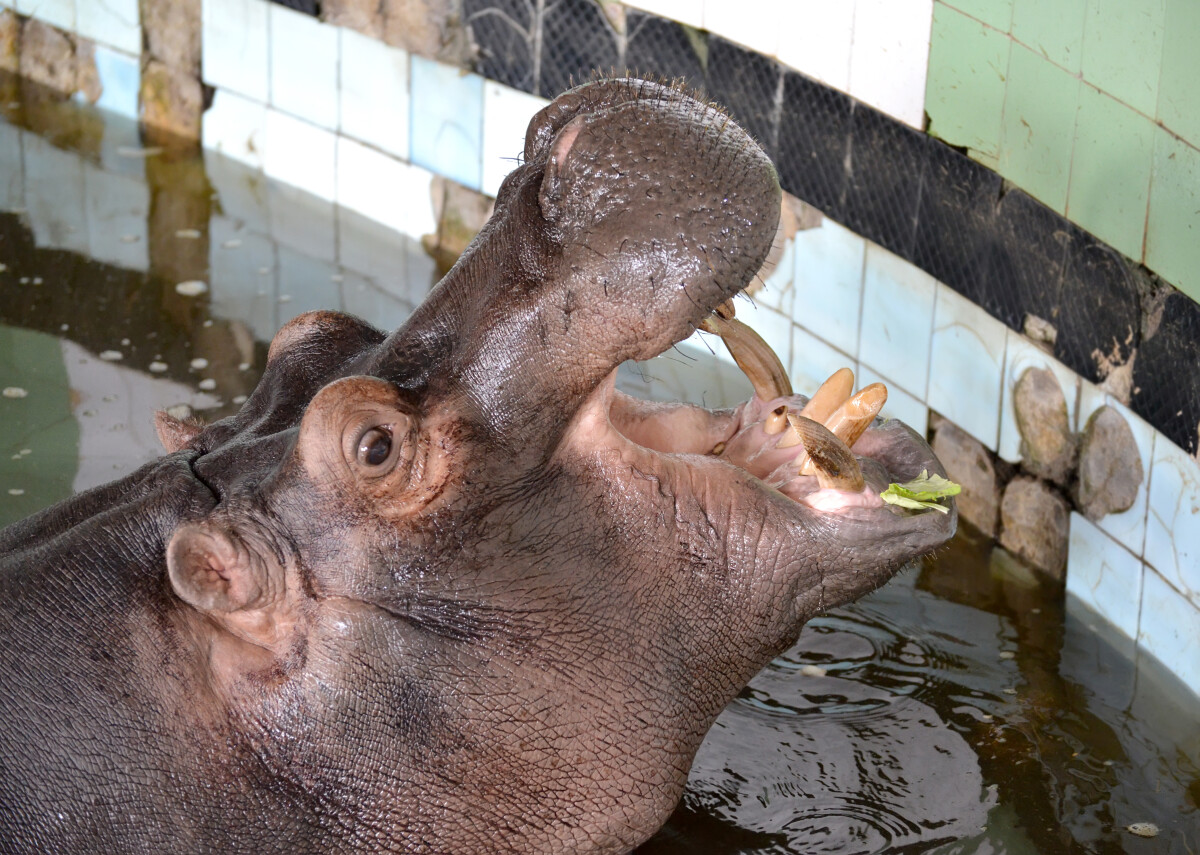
{"x":829,"y":283}
{"x":897,"y":320}
{"x":447,"y":121}
{"x":813,"y":361}
{"x":966,"y":365}
{"x":236,"y":38}
{"x":899,"y":405}
{"x":1104,"y":576}
{"x":304,"y":66}
{"x":1170,"y":630}
{"x":1173,"y":523}
{"x":120,"y":79}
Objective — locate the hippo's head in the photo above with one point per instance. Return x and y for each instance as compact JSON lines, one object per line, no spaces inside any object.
{"x":447,"y":588}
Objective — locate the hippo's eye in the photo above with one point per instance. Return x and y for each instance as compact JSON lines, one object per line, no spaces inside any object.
{"x":375,"y":447}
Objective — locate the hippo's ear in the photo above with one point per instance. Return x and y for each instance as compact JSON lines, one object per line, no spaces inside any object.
{"x":213,"y":571}
{"x":174,"y":433}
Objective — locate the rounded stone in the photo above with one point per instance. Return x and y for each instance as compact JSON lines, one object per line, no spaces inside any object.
{"x":1047,"y":443}
{"x":969,"y":463}
{"x":1110,"y":467}
{"x":1034,"y":523}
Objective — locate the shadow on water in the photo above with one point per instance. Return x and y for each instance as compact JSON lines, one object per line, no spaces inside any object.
{"x":963,"y":708}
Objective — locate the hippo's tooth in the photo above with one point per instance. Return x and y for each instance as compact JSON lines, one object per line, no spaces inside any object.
{"x":833,"y":392}
{"x":831,"y":459}
{"x":754,"y":356}
{"x":776,"y":420}
{"x":849,"y":420}
{"x":791,"y":436}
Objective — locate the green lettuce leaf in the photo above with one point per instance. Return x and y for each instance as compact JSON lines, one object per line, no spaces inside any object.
{"x":922,"y":492}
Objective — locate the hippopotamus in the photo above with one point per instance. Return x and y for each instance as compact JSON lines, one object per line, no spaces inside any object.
{"x":444,"y":588}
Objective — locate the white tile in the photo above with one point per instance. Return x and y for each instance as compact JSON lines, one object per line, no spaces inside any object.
{"x":1020,"y":356}
{"x":899,"y":405}
{"x":1170,"y":630}
{"x":242,"y":278}
{"x":300,"y":154}
{"x":12,"y":173}
{"x":384,"y":189}
{"x":447,"y":121}
{"x":120,"y":80}
{"x":235,"y":40}
{"x":54,"y":196}
{"x":241,"y":191}
{"x":753,"y":23}
{"x":117,"y":207}
{"x":304,"y":67}
{"x":506,"y":115}
{"x":891,"y":55}
{"x":897,"y":320}
{"x":1129,"y":527}
{"x":966,"y":365}
{"x":59,"y":13}
{"x":775,"y":285}
{"x":306,"y":284}
{"x":235,"y":127}
{"x":816,"y":37}
{"x":1104,"y":575}
{"x":1173,"y":524}
{"x":813,"y":361}
{"x":302,"y":221}
{"x":689,"y":12}
{"x":374,"y":93}
{"x":115,"y":23}
{"x":380,"y":308}
{"x":829,"y":283}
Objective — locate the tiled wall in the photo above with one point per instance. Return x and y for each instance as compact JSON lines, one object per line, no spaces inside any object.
{"x":331,"y":116}
{"x":1089,"y":105}
{"x":115,"y":29}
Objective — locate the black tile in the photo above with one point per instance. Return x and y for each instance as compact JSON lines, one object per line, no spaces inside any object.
{"x":956,"y":221}
{"x":814,"y":133}
{"x":748,"y":85}
{"x":1166,"y":372}
{"x":308,"y":7}
{"x":1099,"y":310}
{"x":577,"y":40}
{"x":1022,"y":267}
{"x":656,"y":46}
{"x":504,"y":31}
{"x":888,"y":161}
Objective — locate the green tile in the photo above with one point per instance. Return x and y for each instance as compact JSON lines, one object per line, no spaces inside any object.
{"x":1173,"y":227}
{"x":964,"y":94}
{"x":1178,"y":92}
{"x":994,"y":13}
{"x":1110,"y":171}
{"x":1053,"y":28}
{"x":1122,"y":49}
{"x":1038,"y":126}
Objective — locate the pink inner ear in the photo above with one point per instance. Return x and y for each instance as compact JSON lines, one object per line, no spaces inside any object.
{"x":173,"y":433}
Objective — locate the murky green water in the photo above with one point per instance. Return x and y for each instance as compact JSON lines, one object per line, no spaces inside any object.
{"x":962,"y":708}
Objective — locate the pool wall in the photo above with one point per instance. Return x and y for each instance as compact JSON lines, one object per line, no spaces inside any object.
{"x":929,"y":260}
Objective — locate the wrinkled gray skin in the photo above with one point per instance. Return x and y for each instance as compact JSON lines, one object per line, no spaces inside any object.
{"x":426,"y":592}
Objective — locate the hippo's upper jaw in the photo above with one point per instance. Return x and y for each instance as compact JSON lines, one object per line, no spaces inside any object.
{"x":447,"y":590}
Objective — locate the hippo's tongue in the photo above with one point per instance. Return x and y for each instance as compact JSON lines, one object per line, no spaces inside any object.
{"x":780,"y":443}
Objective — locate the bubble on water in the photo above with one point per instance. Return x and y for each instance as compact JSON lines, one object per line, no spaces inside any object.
{"x":285,"y":298}
{"x":24,"y":280}
{"x":37,"y":280}
{"x":1007,"y":654}
{"x":13,"y":392}
{"x":208,"y":384}
{"x":130,"y":238}
{"x":813,"y":671}
{"x":158,"y":367}
{"x":1141,"y":829}
{"x":15,"y":491}
{"x":188,"y":234}
{"x":3,"y":267}
{"x":180,"y":411}
{"x":232,"y":243}
{"x":191,"y":288}
{"x":111,"y":355}
{"x":25,"y":451}
{"x":239,"y":399}
{"x":199,"y":363}
{"x":125,"y":342}
{"x":64,"y":327}
{"x":243,"y":366}
{"x":207,"y":323}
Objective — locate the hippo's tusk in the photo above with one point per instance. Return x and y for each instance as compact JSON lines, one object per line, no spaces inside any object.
{"x":830,"y":459}
{"x":754,"y":356}
{"x":849,"y":420}
{"x":832,"y":393}
{"x":776,"y":420}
